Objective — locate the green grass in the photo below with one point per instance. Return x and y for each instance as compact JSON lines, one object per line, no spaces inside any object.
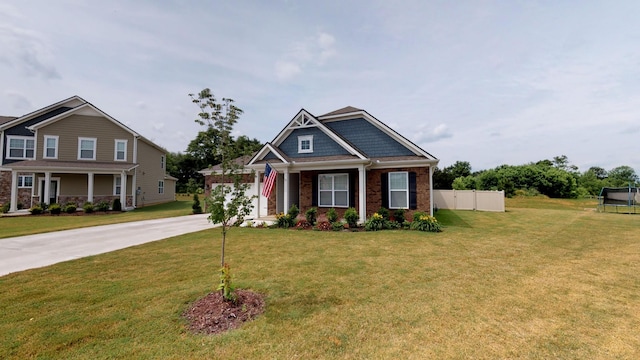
{"x":28,"y":224}
{"x":531,"y":283}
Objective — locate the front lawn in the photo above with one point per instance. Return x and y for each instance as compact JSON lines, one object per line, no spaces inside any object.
{"x":528,"y":283}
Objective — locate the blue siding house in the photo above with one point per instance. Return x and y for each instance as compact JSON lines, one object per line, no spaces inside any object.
{"x":342,"y":159}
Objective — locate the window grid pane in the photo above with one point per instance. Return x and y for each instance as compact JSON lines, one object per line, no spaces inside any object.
{"x":333,"y":190}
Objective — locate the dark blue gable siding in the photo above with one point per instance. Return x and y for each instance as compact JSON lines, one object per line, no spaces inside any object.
{"x":21,"y":129}
{"x":323,"y":145}
{"x":369,"y":139}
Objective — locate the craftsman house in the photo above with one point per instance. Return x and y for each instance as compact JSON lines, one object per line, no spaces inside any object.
{"x":72,"y":151}
{"x":346,"y":158}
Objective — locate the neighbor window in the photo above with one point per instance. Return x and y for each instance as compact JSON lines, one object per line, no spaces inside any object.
{"x":120,"y":151}
{"x":20,"y":147}
{"x":161,"y":187}
{"x":25,"y":181}
{"x":305,"y":144}
{"x":86,"y":148}
{"x":50,"y":147}
{"x":162,"y":159}
{"x":333,"y":190}
{"x":117,"y":184}
{"x":398,"y":190}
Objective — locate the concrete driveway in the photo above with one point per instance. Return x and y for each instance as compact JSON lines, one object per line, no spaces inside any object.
{"x":33,"y":251}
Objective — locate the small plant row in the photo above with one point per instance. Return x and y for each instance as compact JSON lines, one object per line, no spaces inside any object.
{"x":71,"y":207}
{"x":380,"y":220}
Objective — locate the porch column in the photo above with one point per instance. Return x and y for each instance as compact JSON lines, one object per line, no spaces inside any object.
{"x":14,"y":191}
{"x":123,"y":189}
{"x":134,"y":189}
{"x":90,"y":187}
{"x":431,"y":190}
{"x":362,"y":193}
{"x":47,"y":188}
{"x":286,"y":191}
{"x":256,"y":182}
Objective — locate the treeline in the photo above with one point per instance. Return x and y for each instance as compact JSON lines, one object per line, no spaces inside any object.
{"x":555,"y":178}
{"x":202,"y":153}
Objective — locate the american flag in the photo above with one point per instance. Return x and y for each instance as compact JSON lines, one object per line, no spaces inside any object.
{"x":269,"y":180}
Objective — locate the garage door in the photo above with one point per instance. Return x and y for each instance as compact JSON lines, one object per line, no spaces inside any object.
{"x":250,"y":192}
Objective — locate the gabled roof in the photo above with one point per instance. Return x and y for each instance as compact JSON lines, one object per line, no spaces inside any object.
{"x":344,"y":110}
{"x":5,"y":119}
{"x":69,"y":102}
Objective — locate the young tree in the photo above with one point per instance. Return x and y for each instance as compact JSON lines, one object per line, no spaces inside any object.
{"x":228,"y":203}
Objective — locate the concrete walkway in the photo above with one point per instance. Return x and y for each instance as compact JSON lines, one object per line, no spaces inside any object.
{"x":33,"y":251}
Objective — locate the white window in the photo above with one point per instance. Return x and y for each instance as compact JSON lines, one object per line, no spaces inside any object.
{"x":117,"y":184}
{"x":25,"y":181}
{"x":120,"y":150}
{"x":333,"y":190}
{"x":398,"y":190}
{"x":50,"y":150}
{"x":86,"y":148}
{"x":305,"y":144}
{"x":20,"y":147}
{"x":161,"y":187}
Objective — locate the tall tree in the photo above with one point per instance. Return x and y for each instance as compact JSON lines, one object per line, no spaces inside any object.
{"x":228,"y":203}
{"x":622,"y":176}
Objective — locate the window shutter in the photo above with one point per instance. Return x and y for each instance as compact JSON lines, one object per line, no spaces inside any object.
{"x":384,"y":181}
{"x":314,"y":190}
{"x":352,"y":189}
{"x":413,"y":191}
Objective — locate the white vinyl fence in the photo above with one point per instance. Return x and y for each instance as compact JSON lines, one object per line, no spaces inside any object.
{"x":469,"y":200}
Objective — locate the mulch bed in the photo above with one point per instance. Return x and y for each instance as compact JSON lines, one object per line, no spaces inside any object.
{"x":213,"y":315}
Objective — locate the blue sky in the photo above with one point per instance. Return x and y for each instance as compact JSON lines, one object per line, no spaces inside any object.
{"x":489,"y":82}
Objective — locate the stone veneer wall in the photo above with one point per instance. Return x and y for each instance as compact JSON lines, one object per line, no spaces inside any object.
{"x":24,"y":194}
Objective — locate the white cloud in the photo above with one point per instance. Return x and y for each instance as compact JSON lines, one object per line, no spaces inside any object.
{"x":287,"y":70}
{"x":27,"y":51}
{"x":20,"y":101}
{"x":426,"y":134}
{"x":312,"y":51}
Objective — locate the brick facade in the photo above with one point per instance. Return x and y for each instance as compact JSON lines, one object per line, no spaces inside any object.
{"x":24,"y":194}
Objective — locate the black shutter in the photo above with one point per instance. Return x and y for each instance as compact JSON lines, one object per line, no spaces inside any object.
{"x":314,"y":190}
{"x":413,"y":191}
{"x":352,"y":189}
{"x":384,"y":181}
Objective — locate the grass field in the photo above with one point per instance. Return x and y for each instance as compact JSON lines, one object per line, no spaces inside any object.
{"x":539,"y":281}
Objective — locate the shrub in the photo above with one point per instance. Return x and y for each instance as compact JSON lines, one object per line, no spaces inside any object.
{"x":70,"y":208}
{"x":374,"y":223}
{"x":332,"y":215}
{"x":322,"y":226}
{"x":5,"y":208}
{"x":351,"y":217}
{"x":117,"y":206}
{"x":102,"y":206}
{"x":36,"y":210}
{"x":423,"y":222}
{"x":398,"y":215}
{"x":384,"y":212}
{"x":197,"y":208}
{"x":283,"y":220}
{"x":392,"y":224}
{"x":311,"y":215}
{"x":293,"y":213}
{"x":55,"y":209}
{"x":88,"y":207}
{"x":337,"y":226}
{"x":226,"y":286}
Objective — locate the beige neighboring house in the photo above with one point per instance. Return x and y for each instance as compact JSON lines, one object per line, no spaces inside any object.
{"x":71,"y":151}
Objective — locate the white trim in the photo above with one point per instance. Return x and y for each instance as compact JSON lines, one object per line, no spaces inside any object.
{"x":47,"y":192}
{"x":160,"y":186}
{"x":95,"y":145}
{"x":70,"y":102}
{"x":406,"y":190}
{"x":24,"y":147}
{"x":301,"y":140}
{"x":55,"y":149}
{"x":115,"y":184}
{"x":21,"y":181}
{"x":115,"y":149}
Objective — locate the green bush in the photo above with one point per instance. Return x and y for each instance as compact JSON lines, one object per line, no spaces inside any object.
{"x":392,"y":224}
{"x":284,"y":220}
{"x":398,"y":215}
{"x":36,"y":210}
{"x":196,"y":207}
{"x":117,"y":205}
{"x":102,"y":206}
{"x":384,"y":212}
{"x":55,"y":209}
{"x":70,"y":208}
{"x":374,"y":223}
{"x":351,"y":217}
{"x":311,"y":215}
{"x":424,"y":222}
{"x":337,"y":226}
{"x":5,"y":208}
{"x":332,"y":215}
{"x":293,"y":213}
{"x":88,"y":207}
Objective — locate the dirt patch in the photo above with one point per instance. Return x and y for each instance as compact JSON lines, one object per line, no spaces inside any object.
{"x":213,"y":315}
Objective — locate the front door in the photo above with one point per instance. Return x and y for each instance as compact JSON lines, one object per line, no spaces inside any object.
{"x":53,"y":190}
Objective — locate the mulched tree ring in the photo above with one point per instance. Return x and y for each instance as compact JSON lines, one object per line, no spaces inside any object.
{"x":212,"y":315}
